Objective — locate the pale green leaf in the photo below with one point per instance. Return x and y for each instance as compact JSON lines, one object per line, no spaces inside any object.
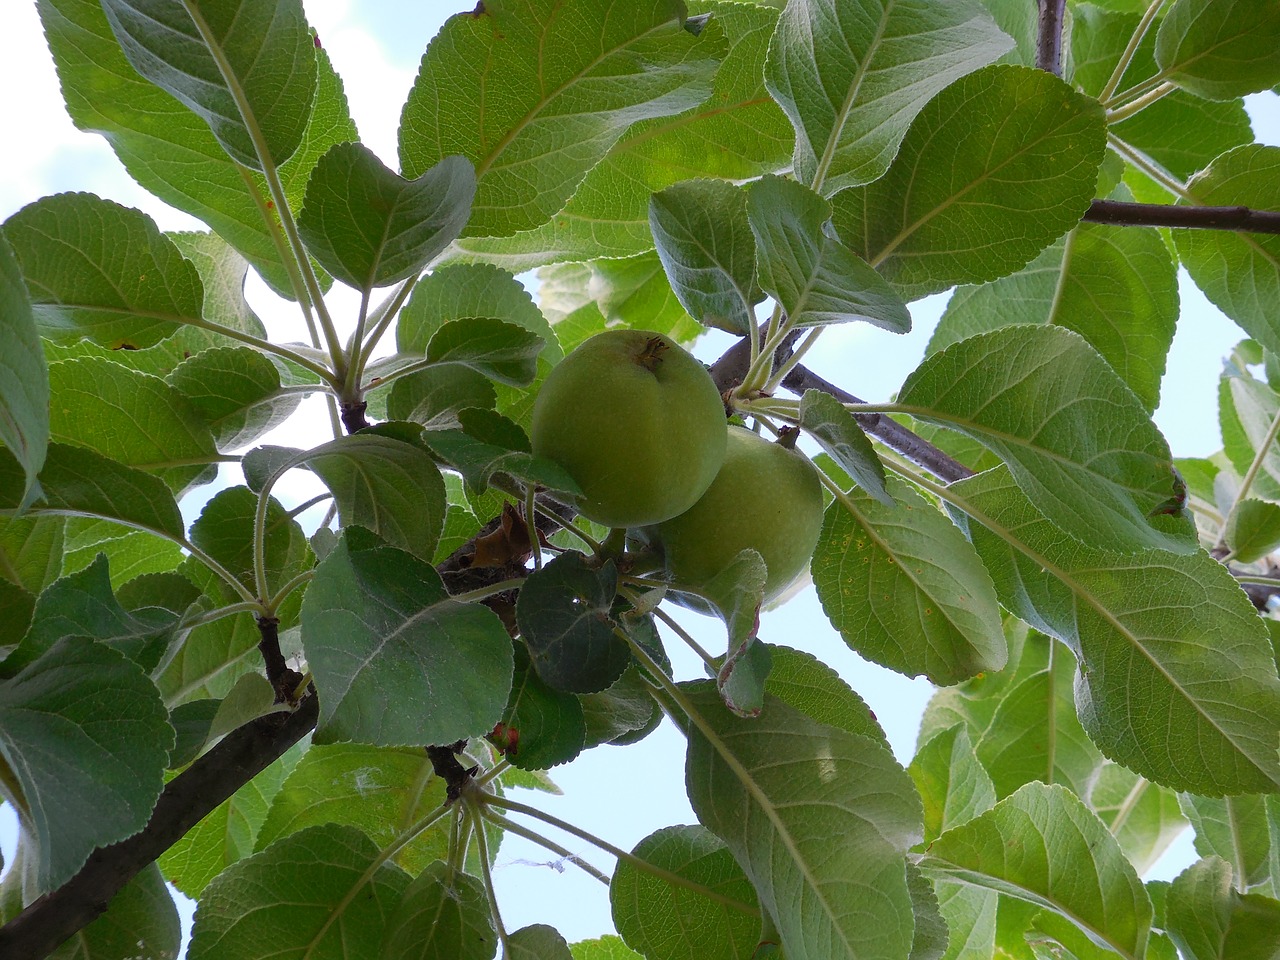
{"x":247,"y":67}
{"x":322,"y":892}
{"x":1075,"y":438}
{"x":31,"y":551}
{"x":87,"y":737}
{"x":236,"y":391}
{"x":602,"y":948}
{"x":500,"y":350}
{"x":669,"y":922}
{"x":970,"y":915}
{"x":906,"y":589}
{"x":852,"y":77}
{"x":370,"y":227}
{"x":99,"y":270}
{"x":396,"y":661}
{"x":1246,"y":410}
{"x":813,"y":276}
{"x":552,"y":89}
{"x":1115,"y":286}
{"x":1236,"y":829}
{"x":953,"y":786}
{"x":1220,"y":49}
{"x":838,"y":433}
{"x":1253,"y":529}
{"x":1143,"y":816}
{"x":997,"y":166}
{"x":1044,"y":846}
{"x":776,"y":789}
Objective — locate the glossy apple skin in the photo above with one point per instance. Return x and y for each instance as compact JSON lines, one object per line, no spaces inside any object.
{"x":766,"y":497}
{"x":636,"y":421}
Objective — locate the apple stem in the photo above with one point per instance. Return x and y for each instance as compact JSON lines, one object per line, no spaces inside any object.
{"x":787,"y":437}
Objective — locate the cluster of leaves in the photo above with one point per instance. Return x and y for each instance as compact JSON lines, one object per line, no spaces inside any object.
{"x":1103,"y":677}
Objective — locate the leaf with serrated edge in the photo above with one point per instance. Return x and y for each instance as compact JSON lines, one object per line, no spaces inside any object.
{"x":994,"y":168}
{"x":906,"y":589}
{"x":603,"y":948}
{"x":537,"y":942}
{"x":825,"y":419}
{"x":776,"y":789}
{"x":851,"y":82}
{"x":1044,"y":846}
{"x":1143,"y":816}
{"x":804,"y":682}
{"x":554,"y":88}
{"x":85,"y":733}
{"x":1233,"y":828}
{"x":1253,"y":529}
{"x":444,"y":913}
{"x":1177,"y":676}
{"x":954,"y":787}
{"x":668,"y":922}
{"x":236,"y":391}
{"x":546,"y":727}
{"x":396,"y":661}
{"x":501,"y":351}
{"x":1220,"y":49}
{"x":306,"y":892}
{"x":1076,"y":439}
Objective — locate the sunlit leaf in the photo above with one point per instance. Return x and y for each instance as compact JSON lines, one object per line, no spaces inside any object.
{"x":1220,"y":49}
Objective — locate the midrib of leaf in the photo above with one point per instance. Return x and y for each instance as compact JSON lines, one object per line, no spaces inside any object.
{"x":1078,"y":590}
{"x":842,"y":117}
{"x":1237,"y":851}
{"x":547,"y":99}
{"x":908,"y":230}
{"x":1061,"y":283}
{"x":1051,"y":720}
{"x":628,"y":143}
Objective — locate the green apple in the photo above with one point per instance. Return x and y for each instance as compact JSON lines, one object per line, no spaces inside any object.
{"x":636,"y":421}
{"x":767,"y":496}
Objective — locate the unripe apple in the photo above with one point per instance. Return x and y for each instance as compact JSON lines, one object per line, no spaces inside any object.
{"x":636,"y":421}
{"x":767,"y":496}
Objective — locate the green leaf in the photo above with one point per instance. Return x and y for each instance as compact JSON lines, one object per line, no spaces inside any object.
{"x":555,"y":89}
{"x":1246,"y":409}
{"x":852,"y":77}
{"x":79,"y":482}
{"x":537,"y":942}
{"x":487,"y":443}
{"x":99,"y":270}
{"x":954,"y":787}
{"x":324,"y":890}
{"x":1239,"y":273}
{"x":31,"y":550}
{"x":370,"y":227}
{"x":804,"y":682}
{"x":564,"y":615}
{"x":776,"y":789}
{"x":136,"y":419}
{"x":213,"y":655}
{"x":85,"y":733}
{"x":970,"y":915}
{"x":1209,"y":920}
{"x":140,"y":921}
{"x":1115,"y":286}
{"x":543,"y":726}
{"x":434,"y":397}
{"x":603,"y":948}
{"x":1075,"y":438}
{"x":16,"y":608}
{"x":236,"y":391}
{"x":825,"y":419}
{"x":225,"y":531}
{"x":997,"y":166}
{"x":813,"y":276}
{"x":396,"y":661}
{"x":443,"y":915}
{"x":171,"y":151}
{"x":24,"y":377}
{"x":906,"y":589}
{"x":1176,"y":678}
{"x":247,"y":67}
{"x":1044,"y":846}
{"x":1236,"y":829}
{"x":501,"y":351}
{"x":668,"y":922}
{"x":620,"y":712}
{"x":737,"y":133}
{"x":1253,"y":529}
{"x":1219,"y":49}
{"x":929,"y":941}
{"x":705,"y":244}
{"x":1143,"y":816}
{"x":378,"y":790}
{"x":389,"y":486}
{"x":225,"y":836}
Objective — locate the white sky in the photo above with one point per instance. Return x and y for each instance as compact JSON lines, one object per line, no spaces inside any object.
{"x":619,"y":795}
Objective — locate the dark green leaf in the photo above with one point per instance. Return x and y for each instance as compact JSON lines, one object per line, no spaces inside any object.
{"x":225,"y":531}
{"x":906,"y":589}
{"x":668,"y":922}
{"x":813,"y":276}
{"x":87,"y":737}
{"x":141,"y":921}
{"x":564,"y":615}
{"x":555,"y":88}
{"x":852,"y":77}
{"x":487,"y":443}
{"x":396,"y":661}
{"x":443,"y":915}
{"x":16,"y":608}
{"x":1076,"y":439}
{"x":804,"y":682}
{"x":929,"y":941}
{"x":501,"y":351}
{"x":99,"y":270}
{"x":537,"y":942}
{"x":994,"y":168}
{"x":825,"y":419}
{"x":307,"y":892}
{"x":370,"y":227}
{"x":707,"y":251}
{"x":31,"y":550}
{"x":24,"y":378}
{"x":622,"y":711}
{"x":246,"y":67}
{"x":236,"y":391}
{"x":543,"y":726}
{"x":1209,"y":920}
{"x":1220,"y":49}
{"x":742,"y":675}
{"x":434,"y":397}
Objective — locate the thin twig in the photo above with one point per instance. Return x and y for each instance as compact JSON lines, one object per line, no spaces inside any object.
{"x":1119,"y":213}
{"x":1049,"y":36}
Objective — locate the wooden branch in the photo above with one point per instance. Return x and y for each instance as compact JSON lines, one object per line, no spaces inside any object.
{"x":1119,"y":213}
{"x":187,"y":799}
{"x":1049,"y":36}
